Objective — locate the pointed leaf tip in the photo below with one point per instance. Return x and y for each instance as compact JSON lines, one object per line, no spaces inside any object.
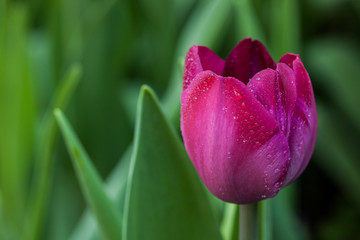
{"x":90,"y":181}
{"x":160,"y":167}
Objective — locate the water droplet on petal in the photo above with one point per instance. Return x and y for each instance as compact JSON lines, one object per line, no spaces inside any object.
{"x":237,"y":94}
{"x":243,"y":105}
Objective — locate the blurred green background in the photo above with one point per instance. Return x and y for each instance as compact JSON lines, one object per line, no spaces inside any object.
{"x":109,"y":48}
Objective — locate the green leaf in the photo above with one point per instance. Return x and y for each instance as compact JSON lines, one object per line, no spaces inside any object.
{"x":95,"y":194}
{"x":17,"y":111}
{"x":87,"y":228}
{"x":44,"y":154}
{"x":164,"y":198}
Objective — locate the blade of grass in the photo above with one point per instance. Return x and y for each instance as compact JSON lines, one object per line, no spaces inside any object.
{"x":17,"y":110}
{"x":38,"y":200}
{"x":98,"y":200}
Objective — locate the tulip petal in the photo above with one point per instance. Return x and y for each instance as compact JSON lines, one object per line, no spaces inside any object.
{"x":246,"y":59}
{"x":301,"y":141}
{"x":304,"y":120}
{"x":198,"y":59}
{"x":276,"y":91}
{"x":303,"y":83}
{"x":233,"y":141}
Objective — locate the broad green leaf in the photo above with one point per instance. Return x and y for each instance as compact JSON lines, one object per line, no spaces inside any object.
{"x":164,"y":197}
{"x":44,"y":151}
{"x":87,"y":228}
{"x":95,"y":194}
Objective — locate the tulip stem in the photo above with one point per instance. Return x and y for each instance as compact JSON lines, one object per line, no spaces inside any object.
{"x":246,"y":230}
{"x":264,"y":219}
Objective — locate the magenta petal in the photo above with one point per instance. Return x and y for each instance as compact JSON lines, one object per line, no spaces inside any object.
{"x":301,"y":141}
{"x":233,"y":141}
{"x":246,"y":59}
{"x":304,"y":121}
{"x":286,"y":97}
{"x":199,"y":59}
{"x":276,"y":91}
{"x":288,"y":59}
{"x":263,"y":86}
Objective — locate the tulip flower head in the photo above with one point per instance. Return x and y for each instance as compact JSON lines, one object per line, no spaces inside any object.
{"x":249,"y":125}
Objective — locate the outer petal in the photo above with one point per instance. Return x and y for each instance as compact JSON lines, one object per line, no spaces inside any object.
{"x":276,"y":91}
{"x":199,"y":59}
{"x":304,"y":121}
{"x":246,"y":59}
{"x":233,"y":141}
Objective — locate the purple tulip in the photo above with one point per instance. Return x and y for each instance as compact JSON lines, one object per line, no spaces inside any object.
{"x":249,"y":124}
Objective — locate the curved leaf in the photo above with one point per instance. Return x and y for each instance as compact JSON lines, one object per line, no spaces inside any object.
{"x":165,"y":199}
{"x":90,"y":182}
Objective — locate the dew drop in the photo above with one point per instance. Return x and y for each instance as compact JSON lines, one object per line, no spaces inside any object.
{"x":237,"y":94}
{"x":243,"y":105}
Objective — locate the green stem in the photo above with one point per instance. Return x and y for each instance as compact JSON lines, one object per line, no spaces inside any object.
{"x":246,"y":231}
{"x":264,"y":220}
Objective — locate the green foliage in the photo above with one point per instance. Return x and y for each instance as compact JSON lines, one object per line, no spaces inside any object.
{"x":91,"y":184}
{"x":164,"y":194}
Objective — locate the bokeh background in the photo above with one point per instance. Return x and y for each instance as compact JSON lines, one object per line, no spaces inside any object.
{"x":114,"y":47}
